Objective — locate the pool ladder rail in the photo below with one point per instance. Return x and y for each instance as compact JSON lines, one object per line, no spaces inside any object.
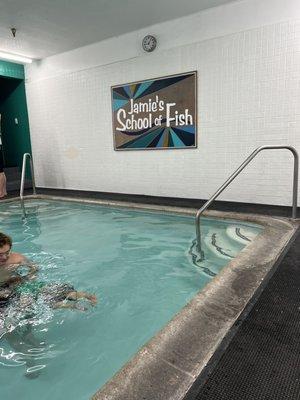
{"x":25,"y":156}
{"x":234,"y":175}
{"x":210,"y":200}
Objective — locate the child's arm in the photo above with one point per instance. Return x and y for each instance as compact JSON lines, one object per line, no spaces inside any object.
{"x":32,"y":271}
{"x":72,"y":306}
{"x":74,"y":295}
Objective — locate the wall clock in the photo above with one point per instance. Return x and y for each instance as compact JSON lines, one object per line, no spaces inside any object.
{"x":149,"y":43}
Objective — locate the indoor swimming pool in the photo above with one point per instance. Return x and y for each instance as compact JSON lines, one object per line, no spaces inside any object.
{"x":141,"y":265}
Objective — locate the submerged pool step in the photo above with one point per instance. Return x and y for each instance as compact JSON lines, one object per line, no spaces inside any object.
{"x":219,"y":245}
{"x":241,"y":234}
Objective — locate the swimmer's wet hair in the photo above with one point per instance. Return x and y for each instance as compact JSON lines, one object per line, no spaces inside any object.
{"x":5,"y":239}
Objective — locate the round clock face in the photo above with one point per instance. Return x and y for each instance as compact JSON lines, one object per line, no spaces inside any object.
{"x":149,"y":43}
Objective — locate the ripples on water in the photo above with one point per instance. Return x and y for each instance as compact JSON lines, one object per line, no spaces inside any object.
{"x":21,"y":322}
{"x":143,"y":268}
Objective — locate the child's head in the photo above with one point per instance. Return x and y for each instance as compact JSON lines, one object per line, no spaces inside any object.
{"x":5,"y":247}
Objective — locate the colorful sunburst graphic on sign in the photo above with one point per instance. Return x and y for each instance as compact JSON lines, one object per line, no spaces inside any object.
{"x":170,"y":131}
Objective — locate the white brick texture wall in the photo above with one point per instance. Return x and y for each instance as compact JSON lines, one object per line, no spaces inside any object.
{"x":248,"y":96}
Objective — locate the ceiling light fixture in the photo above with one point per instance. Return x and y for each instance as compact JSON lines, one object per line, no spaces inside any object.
{"x":15,"y":57}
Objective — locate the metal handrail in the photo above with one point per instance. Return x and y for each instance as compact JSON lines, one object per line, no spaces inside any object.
{"x":235,"y":174}
{"x":23,"y":180}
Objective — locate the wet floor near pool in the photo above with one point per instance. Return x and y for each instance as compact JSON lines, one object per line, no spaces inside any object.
{"x":262,"y":360}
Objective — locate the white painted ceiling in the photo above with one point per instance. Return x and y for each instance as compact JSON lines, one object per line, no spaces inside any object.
{"x":47,"y":27}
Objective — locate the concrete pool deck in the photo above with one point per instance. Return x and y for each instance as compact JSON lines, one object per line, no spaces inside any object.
{"x":170,"y":363}
{"x":262,"y":359}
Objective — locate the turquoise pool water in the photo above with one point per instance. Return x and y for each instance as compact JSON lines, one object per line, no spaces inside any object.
{"x":141,"y":265}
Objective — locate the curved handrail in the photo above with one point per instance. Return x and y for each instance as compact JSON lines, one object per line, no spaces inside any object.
{"x":23,"y":180}
{"x":235,"y":174}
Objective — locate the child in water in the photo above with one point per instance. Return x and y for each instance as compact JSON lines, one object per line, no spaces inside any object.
{"x":26,"y":288}
{"x":56,"y":295}
{"x":22,"y":297}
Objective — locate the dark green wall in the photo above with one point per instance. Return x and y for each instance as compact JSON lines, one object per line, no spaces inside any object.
{"x":15,"y":137}
{"x":11,"y":70}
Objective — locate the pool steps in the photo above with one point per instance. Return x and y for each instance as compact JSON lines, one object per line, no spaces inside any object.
{"x":220,"y":244}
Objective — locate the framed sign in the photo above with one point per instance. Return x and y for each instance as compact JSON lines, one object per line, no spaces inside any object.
{"x":156,"y":114}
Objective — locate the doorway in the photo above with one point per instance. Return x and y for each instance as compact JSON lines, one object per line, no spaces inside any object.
{"x":15,"y":135}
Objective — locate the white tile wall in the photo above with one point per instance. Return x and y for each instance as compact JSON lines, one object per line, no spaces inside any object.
{"x":248,"y":96}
